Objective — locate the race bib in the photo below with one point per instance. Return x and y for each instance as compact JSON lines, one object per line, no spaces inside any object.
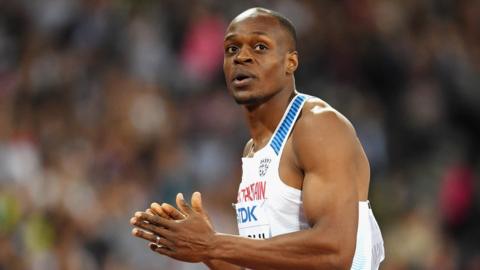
{"x":252,"y":219}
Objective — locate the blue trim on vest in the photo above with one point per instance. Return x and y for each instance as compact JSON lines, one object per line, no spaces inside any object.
{"x":287,"y":123}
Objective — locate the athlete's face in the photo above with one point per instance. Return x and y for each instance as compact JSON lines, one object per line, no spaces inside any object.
{"x":258,"y":58}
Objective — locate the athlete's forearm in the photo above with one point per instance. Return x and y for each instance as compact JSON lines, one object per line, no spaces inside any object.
{"x":298,"y":250}
{"x":221,"y":265}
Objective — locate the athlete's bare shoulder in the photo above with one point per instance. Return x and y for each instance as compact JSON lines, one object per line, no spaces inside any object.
{"x":321,"y":131}
{"x":323,"y":136}
{"x":318,"y":116}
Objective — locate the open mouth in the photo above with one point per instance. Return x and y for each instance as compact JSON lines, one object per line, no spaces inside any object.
{"x":241,"y":77}
{"x":242,"y":80}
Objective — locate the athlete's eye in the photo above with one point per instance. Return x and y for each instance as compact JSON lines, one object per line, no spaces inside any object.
{"x":260,"y":47}
{"x":231,"y":49}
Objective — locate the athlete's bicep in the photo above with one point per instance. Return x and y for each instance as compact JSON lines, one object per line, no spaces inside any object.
{"x":325,"y":146}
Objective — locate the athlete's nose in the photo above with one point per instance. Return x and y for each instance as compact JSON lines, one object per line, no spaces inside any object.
{"x":243,"y":56}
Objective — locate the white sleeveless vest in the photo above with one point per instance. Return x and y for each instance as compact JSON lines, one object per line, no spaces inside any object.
{"x":267,"y":207}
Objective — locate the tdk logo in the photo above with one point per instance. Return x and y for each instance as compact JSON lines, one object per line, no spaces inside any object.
{"x":246,"y":214}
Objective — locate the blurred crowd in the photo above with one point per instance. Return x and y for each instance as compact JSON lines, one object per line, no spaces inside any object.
{"x":109,"y":105}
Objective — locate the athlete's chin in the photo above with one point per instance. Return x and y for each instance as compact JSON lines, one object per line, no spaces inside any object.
{"x":244,"y":98}
{"x":246,"y":101}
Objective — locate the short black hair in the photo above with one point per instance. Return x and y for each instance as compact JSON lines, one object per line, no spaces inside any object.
{"x":284,"y":22}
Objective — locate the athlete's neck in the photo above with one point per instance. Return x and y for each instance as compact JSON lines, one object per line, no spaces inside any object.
{"x":263,"y":119}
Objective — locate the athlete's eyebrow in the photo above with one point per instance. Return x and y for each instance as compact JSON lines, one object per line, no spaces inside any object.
{"x":229,"y":36}
{"x":258,"y":33}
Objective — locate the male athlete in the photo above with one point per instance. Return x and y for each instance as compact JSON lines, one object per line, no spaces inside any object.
{"x":303,"y":198}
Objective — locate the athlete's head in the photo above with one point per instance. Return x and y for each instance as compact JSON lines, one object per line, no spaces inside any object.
{"x":260,"y":55}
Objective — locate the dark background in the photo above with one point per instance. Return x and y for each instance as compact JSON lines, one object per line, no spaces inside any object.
{"x":106,"y":106}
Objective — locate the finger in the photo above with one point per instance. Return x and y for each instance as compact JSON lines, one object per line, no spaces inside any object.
{"x":151,"y":228}
{"x":154,"y":219}
{"x":155,"y":245}
{"x":149,"y":236}
{"x":157,"y":209}
{"x":198,"y":206}
{"x":163,"y":250}
{"x":183,"y":205}
{"x":197,"y":202}
{"x":144,"y":234}
{"x":172,"y":212}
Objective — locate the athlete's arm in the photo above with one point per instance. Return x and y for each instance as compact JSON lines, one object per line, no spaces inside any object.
{"x":327,"y":151}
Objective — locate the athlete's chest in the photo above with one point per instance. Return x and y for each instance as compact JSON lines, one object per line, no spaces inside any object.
{"x":264,"y":165}
{"x":256,"y":172}
{"x":254,"y":190}
{"x":264,"y":200}
{"x":269,"y":194}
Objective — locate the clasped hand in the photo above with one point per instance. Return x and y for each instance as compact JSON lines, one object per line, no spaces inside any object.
{"x":185,"y":234}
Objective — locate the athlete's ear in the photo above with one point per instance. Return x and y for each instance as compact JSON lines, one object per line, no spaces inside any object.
{"x":292,"y":62}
